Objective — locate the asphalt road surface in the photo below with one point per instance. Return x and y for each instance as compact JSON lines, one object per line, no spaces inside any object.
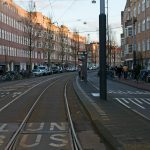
{"x":33,"y":116}
{"x":132,"y":98}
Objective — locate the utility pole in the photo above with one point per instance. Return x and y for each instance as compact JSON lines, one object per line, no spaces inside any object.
{"x":134,"y":43}
{"x":102,"y":50}
{"x":102,"y":56}
{"x":108,"y":47}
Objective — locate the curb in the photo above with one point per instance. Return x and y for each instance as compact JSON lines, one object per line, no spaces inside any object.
{"x":92,"y":109}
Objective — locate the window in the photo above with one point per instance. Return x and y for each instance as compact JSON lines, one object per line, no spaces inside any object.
{"x":139,"y":8}
{"x":134,"y":11}
{"x":143,"y":45}
{"x":139,"y":47}
{"x":130,"y":48}
{"x":3,"y":34}
{"x":143,"y":25}
{"x":148,"y":44}
{"x":39,"y":44}
{"x":148,"y":23}
{"x":1,"y":52}
{"x":130,"y":31}
{"x":147,"y":3}
{"x":143,"y":5}
{"x":0,"y":33}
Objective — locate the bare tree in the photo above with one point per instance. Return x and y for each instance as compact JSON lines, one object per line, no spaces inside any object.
{"x":75,"y":46}
{"x":63,"y":39}
{"x":31,"y":32}
{"x":47,"y":41}
{"x":50,"y":44}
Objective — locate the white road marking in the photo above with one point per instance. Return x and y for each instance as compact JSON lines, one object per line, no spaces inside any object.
{"x":136,"y":103}
{"x":145,"y":101}
{"x":4,"y":107}
{"x":95,"y":94}
{"x":122,"y":102}
{"x":125,"y":100}
{"x":127,"y":92}
{"x":24,"y":139}
{"x":148,"y":99}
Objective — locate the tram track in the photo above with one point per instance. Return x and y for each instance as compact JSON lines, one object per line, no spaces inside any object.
{"x":26,"y":91}
{"x":12,"y":143}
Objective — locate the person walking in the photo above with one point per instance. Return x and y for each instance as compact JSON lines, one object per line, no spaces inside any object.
{"x":119,"y":71}
{"x":125,"y":71}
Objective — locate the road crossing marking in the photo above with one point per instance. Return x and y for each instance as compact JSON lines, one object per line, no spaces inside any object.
{"x":144,"y":101}
{"x":128,"y":92}
{"x":122,"y":102}
{"x":137,"y":101}
{"x":125,"y":100}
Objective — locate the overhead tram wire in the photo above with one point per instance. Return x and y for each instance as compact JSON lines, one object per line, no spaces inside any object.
{"x":68,"y":8}
{"x":51,"y":9}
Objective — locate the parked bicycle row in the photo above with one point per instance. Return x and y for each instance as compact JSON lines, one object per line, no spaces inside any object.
{"x":36,"y":72}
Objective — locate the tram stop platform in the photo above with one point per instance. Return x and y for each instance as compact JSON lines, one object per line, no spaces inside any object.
{"x":120,"y":127}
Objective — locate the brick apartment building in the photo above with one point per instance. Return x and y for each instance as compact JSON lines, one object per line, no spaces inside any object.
{"x":135,"y":39}
{"x":28,"y":38}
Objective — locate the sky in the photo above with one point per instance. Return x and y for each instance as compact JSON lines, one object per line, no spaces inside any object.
{"x":81,"y":15}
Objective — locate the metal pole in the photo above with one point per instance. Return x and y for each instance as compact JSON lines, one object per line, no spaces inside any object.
{"x":102,"y":56}
{"x":134,"y":51}
{"x":145,"y":64}
{"x":108,"y":51}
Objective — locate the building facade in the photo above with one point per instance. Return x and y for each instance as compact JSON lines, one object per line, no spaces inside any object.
{"x":28,"y":38}
{"x":135,"y":40}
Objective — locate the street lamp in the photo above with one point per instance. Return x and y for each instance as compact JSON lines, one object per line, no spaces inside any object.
{"x":102,"y":50}
{"x":102,"y":57}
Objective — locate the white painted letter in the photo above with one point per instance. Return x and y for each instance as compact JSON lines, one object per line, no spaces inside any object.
{"x":24,"y":139}
{"x":37,"y":129}
{"x":62,"y":126}
{"x":2,"y":137}
{"x":2,"y":127}
{"x":58,"y":138}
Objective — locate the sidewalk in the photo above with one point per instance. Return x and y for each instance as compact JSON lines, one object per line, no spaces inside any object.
{"x":140,"y":84}
{"x":119,"y":126}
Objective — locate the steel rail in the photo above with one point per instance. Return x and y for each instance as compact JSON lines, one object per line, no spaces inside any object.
{"x":12,"y":141}
{"x":77,"y":145}
{"x":15,"y":99}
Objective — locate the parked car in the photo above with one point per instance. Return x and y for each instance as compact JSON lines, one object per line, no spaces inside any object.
{"x":49,"y":71}
{"x":55,"y":69}
{"x":37,"y":72}
{"x":43,"y":69}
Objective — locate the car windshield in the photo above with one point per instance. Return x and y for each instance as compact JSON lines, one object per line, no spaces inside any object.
{"x":35,"y":70}
{"x":42,"y":68}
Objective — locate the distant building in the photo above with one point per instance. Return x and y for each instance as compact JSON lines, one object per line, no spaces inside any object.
{"x":30,"y":38}
{"x":135,"y":39}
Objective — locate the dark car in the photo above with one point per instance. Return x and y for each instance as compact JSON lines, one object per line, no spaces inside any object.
{"x":145,"y":75}
{"x":55,"y":69}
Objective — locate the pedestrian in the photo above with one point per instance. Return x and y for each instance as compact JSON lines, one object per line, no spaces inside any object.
{"x":137,"y":72}
{"x":125,"y":71}
{"x":119,"y":72}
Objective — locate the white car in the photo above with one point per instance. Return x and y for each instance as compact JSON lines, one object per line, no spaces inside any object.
{"x":37,"y":72}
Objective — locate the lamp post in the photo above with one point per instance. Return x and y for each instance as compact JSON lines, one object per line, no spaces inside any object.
{"x":102,"y":50}
{"x":102,"y":56}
